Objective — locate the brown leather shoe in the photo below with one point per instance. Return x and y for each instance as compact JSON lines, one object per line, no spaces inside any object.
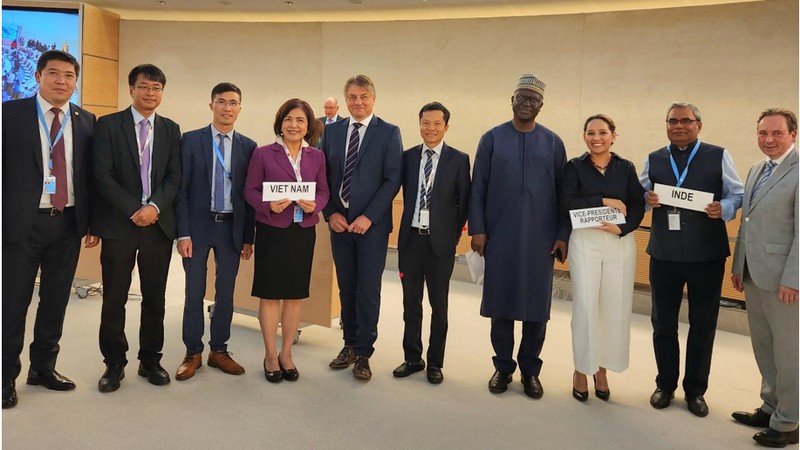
{"x":189,"y":366}
{"x":361,"y":370}
{"x":222,"y":360}
{"x":346,"y":357}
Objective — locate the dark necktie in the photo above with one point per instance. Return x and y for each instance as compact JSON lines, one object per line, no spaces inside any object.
{"x":769,"y":166}
{"x":219,"y":177}
{"x":59,"y":199}
{"x":426,"y":188}
{"x":350,"y":161}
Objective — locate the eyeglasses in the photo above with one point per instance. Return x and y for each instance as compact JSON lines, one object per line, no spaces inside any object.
{"x":684,"y":122}
{"x":143,"y":88}
{"x":223,"y":103}
{"x":69,"y":76}
{"x":522,"y":99}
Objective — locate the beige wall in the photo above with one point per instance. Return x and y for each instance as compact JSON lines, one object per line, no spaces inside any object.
{"x":732,"y":61}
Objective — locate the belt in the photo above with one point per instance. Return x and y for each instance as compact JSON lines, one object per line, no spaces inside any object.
{"x":52,"y":212}
{"x":221,"y":217}
{"x":422,"y":231}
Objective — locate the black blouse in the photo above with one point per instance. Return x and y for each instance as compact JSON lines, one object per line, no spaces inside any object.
{"x":583,"y":186}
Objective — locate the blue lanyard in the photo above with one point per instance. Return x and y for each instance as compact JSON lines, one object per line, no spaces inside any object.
{"x":51,"y":142}
{"x":220,"y":157}
{"x":682,"y":176}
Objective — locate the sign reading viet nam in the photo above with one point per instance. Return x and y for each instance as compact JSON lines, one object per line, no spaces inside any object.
{"x":591,"y":217}
{"x":682,"y":197}
{"x":288,"y":189}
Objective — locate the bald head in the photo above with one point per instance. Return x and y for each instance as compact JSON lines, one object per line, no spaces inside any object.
{"x":330,"y":107}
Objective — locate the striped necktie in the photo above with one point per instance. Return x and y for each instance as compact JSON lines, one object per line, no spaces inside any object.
{"x":426,"y":188}
{"x":769,"y":166}
{"x":350,"y":161}
{"x":219,"y":177}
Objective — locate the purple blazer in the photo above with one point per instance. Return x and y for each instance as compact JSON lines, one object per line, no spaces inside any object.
{"x":270,"y":163}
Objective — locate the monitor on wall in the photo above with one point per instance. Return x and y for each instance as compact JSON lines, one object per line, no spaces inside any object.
{"x":27,"y":33}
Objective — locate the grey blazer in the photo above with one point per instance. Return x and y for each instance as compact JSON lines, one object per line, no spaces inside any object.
{"x":767,"y":240}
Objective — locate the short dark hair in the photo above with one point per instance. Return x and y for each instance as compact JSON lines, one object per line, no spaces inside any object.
{"x":57,"y":55}
{"x":791,"y":118}
{"x":149,"y":71}
{"x":225,"y":87}
{"x":611,"y":126}
{"x":360,"y":81}
{"x":284,"y":111}
{"x":436,"y":106}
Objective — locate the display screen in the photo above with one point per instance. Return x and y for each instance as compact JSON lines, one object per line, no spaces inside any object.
{"x":27,"y":33}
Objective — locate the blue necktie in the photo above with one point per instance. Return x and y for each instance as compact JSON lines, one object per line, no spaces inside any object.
{"x":219,"y":177}
{"x":768,"y":168}
{"x":350,"y":161}
{"x":425,"y":194}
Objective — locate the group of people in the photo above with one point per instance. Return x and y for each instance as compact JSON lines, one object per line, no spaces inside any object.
{"x":133,"y":180}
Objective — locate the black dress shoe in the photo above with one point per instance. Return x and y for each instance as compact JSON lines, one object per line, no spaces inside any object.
{"x":361,"y":370}
{"x":499,"y":382}
{"x":109,"y":382}
{"x":661,"y":398}
{"x":51,"y":380}
{"x":757,"y":418}
{"x":602,"y":395}
{"x":697,"y":406}
{"x":273,"y":377}
{"x":580,"y":396}
{"x":288,"y":374}
{"x":154,"y":373}
{"x":774,"y":438}
{"x":9,"y":395}
{"x":532,"y":386}
{"x":407,"y":368}
{"x":435,"y":375}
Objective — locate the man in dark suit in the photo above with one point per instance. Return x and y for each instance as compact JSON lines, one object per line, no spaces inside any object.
{"x":212,"y":213}
{"x":364,"y":156}
{"x":137,"y":170}
{"x":435,"y":199}
{"x":45,"y":138}
{"x":331,"y":110}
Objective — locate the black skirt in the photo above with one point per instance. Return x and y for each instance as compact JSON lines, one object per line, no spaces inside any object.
{"x":283,"y":261}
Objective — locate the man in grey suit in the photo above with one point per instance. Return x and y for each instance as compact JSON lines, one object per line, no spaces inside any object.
{"x":765,"y":268}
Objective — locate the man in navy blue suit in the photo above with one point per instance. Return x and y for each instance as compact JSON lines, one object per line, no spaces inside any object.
{"x":211,"y":213}
{"x":364,"y":156}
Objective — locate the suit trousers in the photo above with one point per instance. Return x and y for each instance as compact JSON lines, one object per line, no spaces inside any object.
{"x":226,"y":259}
{"x":774,"y":333}
{"x":703,"y":281}
{"x":502,"y":334}
{"x":52,"y":246}
{"x":602,"y":267}
{"x":421,"y":266}
{"x":360,"y":260}
{"x":151,"y":250}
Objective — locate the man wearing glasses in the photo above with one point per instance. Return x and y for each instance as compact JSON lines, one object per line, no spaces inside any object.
{"x":515,"y":224}
{"x":687,"y":248}
{"x":137,"y":172}
{"x":212,"y":213}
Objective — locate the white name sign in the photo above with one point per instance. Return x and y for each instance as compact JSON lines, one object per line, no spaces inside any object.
{"x":289,"y":189}
{"x":591,"y":217}
{"x":682,"y":197}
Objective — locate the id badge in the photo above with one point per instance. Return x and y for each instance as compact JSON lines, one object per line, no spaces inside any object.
{"x":674,"y":220}
{"x":50,"y":185}
{"x":298,"y":214}
{"x":424,"y":218}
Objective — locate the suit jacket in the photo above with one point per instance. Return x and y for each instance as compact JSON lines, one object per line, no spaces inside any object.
{"x":376,"y":177}
{"x":321,"y":125}
{"x":449,"y":198}
{"x":23,"y":171}
{"x":767,"y":240}
{"x":269,"y":163}
{"x":116,"y":170}
{"x":193,"y":203}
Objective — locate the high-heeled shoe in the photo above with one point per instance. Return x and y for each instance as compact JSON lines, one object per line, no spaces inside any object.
{"x":602,"y":395}
{"x":273,"y":377}
{"x":288,"y":374}
{"x":578,"y":395}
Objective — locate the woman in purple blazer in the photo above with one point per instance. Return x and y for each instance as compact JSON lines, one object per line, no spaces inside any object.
{"x":285,"y":233}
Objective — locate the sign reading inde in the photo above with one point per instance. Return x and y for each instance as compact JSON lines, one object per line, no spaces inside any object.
{"x":682,"y":197}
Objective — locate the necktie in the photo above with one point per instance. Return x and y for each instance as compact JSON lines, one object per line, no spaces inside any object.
{"x":350,"y":161}
{"x":59,"y":199}
{"x":768,"y":167}
{"x":219,"y":177}
{"x":144,"y":171}
{"x":328,"y":120}
{"x":425,"y":191}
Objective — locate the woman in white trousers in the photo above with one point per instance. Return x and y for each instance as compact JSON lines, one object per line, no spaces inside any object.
{"x":602,"y":260}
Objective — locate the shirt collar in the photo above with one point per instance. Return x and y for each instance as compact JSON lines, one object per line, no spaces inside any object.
{"x":215,"y":132}
{"x":437,"y":149}
{"x":46,"y":106}
{"x":783,"y":157}
{"x":364,"y":122}
{"x":138,"y":117}
{"x":279,"y":140}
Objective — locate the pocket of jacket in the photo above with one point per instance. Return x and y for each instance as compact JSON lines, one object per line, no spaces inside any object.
{"x":779,"y":249}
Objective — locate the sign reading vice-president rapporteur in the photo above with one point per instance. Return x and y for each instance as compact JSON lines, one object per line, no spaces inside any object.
{"x":273,"y":190}
{"x":592,"y":217}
